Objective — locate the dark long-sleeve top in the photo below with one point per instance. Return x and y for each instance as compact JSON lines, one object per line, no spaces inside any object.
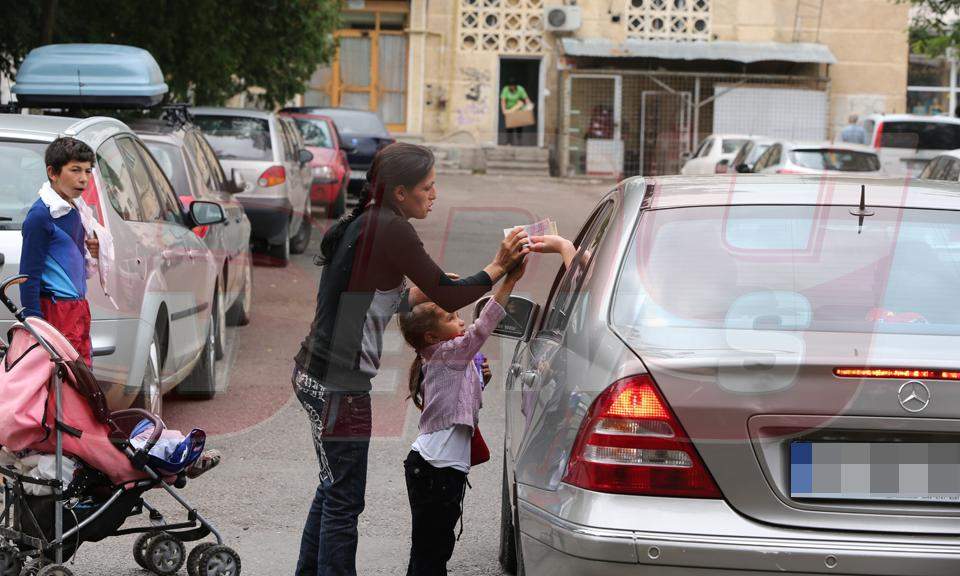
{"x":52,"y":256}
{"x":362,"y":287}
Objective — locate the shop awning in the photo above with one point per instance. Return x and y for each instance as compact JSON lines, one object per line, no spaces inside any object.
{"x":745,"y":52}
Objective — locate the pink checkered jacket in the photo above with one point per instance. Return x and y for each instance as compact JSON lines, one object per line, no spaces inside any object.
{"x":452,"y":385}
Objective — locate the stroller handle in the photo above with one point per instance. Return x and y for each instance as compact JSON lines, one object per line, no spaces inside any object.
{"x":12,"y":281}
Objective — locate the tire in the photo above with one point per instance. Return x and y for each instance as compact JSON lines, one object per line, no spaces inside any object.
{"x":30,"y":568}
{"x":239,"y":313}
{"x":280,"y":253}
{"x":55,"y":570}
{"x":151,"y":387}
{"x":219,"y":323}
{"x":140,"y":549}
{"x":165,"y":555}
{"x":219,"y":561}
{"x":193,"y":560}
{"x":336,"y":208}
{"x":301,"y":241}
{"x":201,"y":384}
{"x":10,"y":564}
{"x":508,"y":545}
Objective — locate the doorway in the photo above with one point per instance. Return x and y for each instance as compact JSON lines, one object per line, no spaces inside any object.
{"x":525,"y":72}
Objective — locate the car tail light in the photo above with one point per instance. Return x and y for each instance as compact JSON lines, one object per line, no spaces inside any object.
{"x":272,"y":176}
{"x":631,"y":443}
{"x":789,"y":171}
{"x":878,"y":137}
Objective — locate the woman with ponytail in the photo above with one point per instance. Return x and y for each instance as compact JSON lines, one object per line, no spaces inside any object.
{"x":367,"y":257}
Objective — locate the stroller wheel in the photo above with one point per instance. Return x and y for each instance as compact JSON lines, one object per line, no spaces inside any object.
{"x":193,"y":560}
{"x":9,"y":563}
{"x":55,"y":570}
{"x":30,"y":568}
{"x":219,"y":561}
{"x":165,"y":555}
{"x":140,"y":549}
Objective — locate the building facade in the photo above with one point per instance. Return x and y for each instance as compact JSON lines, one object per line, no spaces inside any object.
{"x":620,"y":87}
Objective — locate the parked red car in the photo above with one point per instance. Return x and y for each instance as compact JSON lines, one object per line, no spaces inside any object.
{"x":330,"y":168}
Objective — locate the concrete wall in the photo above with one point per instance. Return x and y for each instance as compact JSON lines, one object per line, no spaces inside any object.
{"x":453,"y":94}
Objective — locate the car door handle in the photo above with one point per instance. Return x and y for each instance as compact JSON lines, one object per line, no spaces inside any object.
{"x":195,"y":253}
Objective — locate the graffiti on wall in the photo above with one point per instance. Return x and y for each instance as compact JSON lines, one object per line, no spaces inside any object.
{"x":476,"y":87}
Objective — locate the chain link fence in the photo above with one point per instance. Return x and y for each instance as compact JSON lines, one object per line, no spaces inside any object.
{"x":625,"y":122}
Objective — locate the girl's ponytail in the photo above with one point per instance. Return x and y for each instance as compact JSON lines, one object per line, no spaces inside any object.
{"x":414,"y":326}
{"x":416,"y":382}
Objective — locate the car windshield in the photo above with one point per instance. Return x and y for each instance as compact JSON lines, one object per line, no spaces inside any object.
{"x":920,"y":135}
{"x":792,"y":268}
{"x":350,"y":122}
{"x":170,"y":160}
{"x":837,"y":160}
{"x":731,"y":146}
{"x":315,"y":132}
{"x":24,"y":171}
{"x":237,"y":137}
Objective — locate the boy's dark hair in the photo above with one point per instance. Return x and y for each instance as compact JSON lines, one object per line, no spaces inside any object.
{"x":64,"y":150}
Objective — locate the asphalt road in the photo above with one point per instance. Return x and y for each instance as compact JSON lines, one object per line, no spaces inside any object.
{"x":258,"y":497}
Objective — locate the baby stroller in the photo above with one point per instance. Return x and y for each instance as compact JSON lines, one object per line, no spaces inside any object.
{"x":41,"y":375}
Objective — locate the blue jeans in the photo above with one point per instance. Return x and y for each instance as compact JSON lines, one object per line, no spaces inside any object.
{"x":341,"y":424}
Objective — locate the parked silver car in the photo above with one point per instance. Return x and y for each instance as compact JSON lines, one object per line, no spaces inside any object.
{"x":152,"y":327}
{"x":754,"y":373}
{"x":784,"y":157}
{"x":268,"y":150}
{"x":188,"y":161}
{"x":906,"y":142}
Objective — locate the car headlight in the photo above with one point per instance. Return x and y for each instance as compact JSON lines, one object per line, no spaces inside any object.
{"x":323,"y":172}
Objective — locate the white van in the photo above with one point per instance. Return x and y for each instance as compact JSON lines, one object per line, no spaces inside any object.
{"x":905,"y":143}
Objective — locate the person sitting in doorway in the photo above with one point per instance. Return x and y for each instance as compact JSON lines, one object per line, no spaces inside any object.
{"x":513,"y":96}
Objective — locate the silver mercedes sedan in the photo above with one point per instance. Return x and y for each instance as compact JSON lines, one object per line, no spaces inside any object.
{"x":746,"y":373}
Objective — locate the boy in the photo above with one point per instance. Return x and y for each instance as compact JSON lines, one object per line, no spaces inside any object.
{"x":55,"y":246}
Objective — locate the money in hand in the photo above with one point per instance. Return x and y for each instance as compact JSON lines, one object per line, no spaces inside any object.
{"x":544,"y":227}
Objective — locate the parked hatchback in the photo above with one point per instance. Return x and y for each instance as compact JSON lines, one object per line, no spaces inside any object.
{"x":753,"y":374}
{"x":270,"y":154}
{"x":329,"y":167}
{"x":363,"y":135}
{"x":906,"y":142}
{"x":944,"y":167}
{"x":152,"y":327}
{"x":817,"y":158}
{"x":714,"y":154}
{"x":191,"y":166}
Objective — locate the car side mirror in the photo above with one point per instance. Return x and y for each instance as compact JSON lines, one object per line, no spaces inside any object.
{"x":306,"y":156}
{"x":238,"y":183}
{"x":743,"y":168}
{"x":518,"y":322}
{"x":203,"y":213}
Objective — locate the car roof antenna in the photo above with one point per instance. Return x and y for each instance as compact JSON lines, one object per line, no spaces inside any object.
{"x":862,"y":212}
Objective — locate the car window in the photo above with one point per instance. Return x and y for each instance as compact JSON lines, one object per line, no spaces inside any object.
{"x":743,"y":154}
{"x":952,"y":171}
{"x":775,"y":155}
{"x":732,"y":145}
{"x":142,"y":185}
{"x":764,"y":160}
{"x":170,"y":159}
{"x":931,"y":170}
{"x":199,"y":160}
{"x":757,"y":151}
{"x":118,"y":181}
{"x":706,"y":148}
{"x":354,"y":123}
{"x":836,"y":160}
{"x":289,"y":146}
{"x":166,"y":196}
{"x":570,"y":288}
{"x":315,"y":132}
{"x":24,"y":171}
{"x":237,"y":137}
{"x":216,"y":169}
{"x":920,"y":135}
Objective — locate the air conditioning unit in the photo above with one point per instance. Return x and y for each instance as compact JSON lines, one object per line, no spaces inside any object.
{"x":561,"y":18}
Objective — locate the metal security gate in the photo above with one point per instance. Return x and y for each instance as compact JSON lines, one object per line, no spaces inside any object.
{"x":636,"y":122}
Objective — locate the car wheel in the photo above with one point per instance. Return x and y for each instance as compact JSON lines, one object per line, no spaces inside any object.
{"x":301,"y":241}
{"x":151,"y":388}
{"x":508,"y":550}
{"x":280,"y":253}
{"x":219,"y":324}
{"x":239,"y":313}
{"x":339,"y":205}
{"x":201,"y":384}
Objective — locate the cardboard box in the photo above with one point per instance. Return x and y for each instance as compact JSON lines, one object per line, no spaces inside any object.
{"x":519,"y":118}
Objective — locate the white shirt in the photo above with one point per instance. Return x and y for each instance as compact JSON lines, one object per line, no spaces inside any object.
{"x":447,"y":448}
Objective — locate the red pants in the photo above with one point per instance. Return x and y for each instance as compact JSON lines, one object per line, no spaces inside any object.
{"x":72,"y":319}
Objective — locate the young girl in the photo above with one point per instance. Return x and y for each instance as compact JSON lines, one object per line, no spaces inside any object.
{"x":446,"y":385}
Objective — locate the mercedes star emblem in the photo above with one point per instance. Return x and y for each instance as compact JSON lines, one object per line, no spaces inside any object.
{"x":914,"y":396}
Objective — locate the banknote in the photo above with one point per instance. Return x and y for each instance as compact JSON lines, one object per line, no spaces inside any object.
{"x":541,"y":228}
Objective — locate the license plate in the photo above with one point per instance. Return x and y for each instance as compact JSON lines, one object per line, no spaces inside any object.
{"x":358,"y":174}
{"x":910,"y":471}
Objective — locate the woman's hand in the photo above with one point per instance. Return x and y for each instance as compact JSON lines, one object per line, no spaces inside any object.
{"x":485,"y":370}
{"x":512,"y":250}
{"x":552,"y":244}
{"x":93,"y":246}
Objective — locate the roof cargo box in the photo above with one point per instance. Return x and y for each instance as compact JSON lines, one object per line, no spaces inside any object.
{"x":93,"y":75}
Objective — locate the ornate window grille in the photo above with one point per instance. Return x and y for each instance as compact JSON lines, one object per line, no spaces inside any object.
{"x":506,"y":26}
{"x":668,"y":19}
